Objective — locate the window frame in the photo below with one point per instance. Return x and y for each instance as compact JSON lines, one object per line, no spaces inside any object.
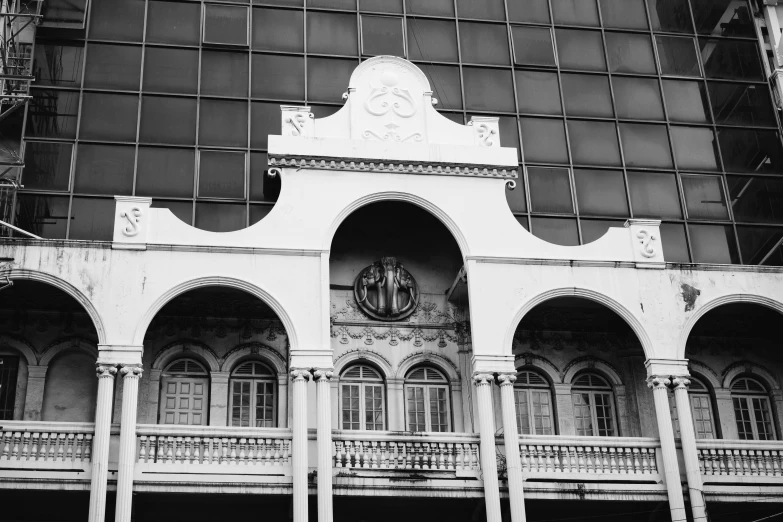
{"x":403,"y":30}
{"x":254,"y":381}
{"x":527,"y":390}
{"x":427,"y":385}
{"x":362,"y":383}
{"x":248,"y":25}
{"x":749,"y":397}
{"x":167,"y":377}
{"x":592,"y":391}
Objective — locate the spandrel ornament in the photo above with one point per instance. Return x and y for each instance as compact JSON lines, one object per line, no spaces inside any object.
{"x":385,"y":290}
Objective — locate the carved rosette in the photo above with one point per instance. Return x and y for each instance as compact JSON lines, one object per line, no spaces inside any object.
{"x":386,"y":291}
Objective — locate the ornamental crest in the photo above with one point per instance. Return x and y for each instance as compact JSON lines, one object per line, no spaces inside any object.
{"x":386,"y":291}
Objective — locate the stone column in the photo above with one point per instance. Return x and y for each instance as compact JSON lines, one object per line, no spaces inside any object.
{"x":100,"y":443}
{"x":33,"y":401}
{"x":689,"y":453}
{"x":516,"y":494}
{"x":323,"y":391}
{"x":668,"y":450}
{"x":127,"y":458}
{"x":299,"y":443}
{"x":489,"y":465}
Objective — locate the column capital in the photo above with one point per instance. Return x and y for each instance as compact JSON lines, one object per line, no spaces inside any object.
{"x":483,"y":378}
{"x":507,"y":379}
{"x":680,"y":382}
{"x":658,"y":381}
{"x":324,"y":374}
{"x":300,"y":374}
{"x":103,"y":370}
{"x":131,"y":371}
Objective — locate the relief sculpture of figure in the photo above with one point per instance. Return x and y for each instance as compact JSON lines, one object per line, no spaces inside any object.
{"x":386,"y":291}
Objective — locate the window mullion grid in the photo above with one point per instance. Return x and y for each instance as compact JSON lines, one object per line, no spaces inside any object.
{"x":459,"y":58}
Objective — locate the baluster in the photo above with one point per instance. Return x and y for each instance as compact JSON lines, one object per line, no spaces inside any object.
{"x":211,"y":449}
{"x":753,"y":460}
{"x":286,"y":445}
{"x":224,"y":450}
{"x":767,"y":464}
{"x":624,"y":462}
{"x":591,"y":459}
{"x":254,"y":451}
{"x":613,"y":465}
{"x":548,"y":459}
{"x":459,"y":456}
{"x":6,"y":453}
{"x":232,"y":455}
{"x":242,"y":454}
{"x":602,"y":460}
{"x":540,"y":466}
{"x":272,"y":458}
{"x":79,"y":454}
{"x":475,"y":463}
{"x":637,"y":463}
{"x":450,"y":454}
{"x":69,"y":452}
{"x":565,"y":459}
{"x":428,"y":457}
{"x":338,"y":456}
{"x":558,"y":454}
{"x":581,"y":466}
{"x":142,"y":457}
{"x":523,"y":460}
{"x":188,"y":450}
{"x":61,"y":447}
{"x":744,"y":459}
{"x":725,"y":462}
{"x":35,"y":446}
{"x":775,"y":463}
{"x":646,"y":468}
{"x":87,"y":454}
{"x":170,"y":450}
{"x":573,"y":462}
{"x":25,"y":446}
{"x":178,"y":449}
{"x":374,"y":454}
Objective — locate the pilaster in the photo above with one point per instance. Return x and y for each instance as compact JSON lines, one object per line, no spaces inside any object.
{"x":33,"y":402}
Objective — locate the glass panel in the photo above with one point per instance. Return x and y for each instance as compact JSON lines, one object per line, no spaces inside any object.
{"x":225,"y":24}
{"x":483,"y":43}
{"x":120,"y":127}
{"x":723,"y":17}
{"x":747,"y":150}
{"x":637,"y":98}
{"x":704,"y":197}
{"x":645,"y":145}
{"x":580,"y":49}
{"x":542,"y":412}
{"x":416,"y":414}
{"x":165,"y":172}
{"x":430,"y":7}
{"x":47,"y":165}
{"x":224,"y":73}
{"x":58,"y":64}
{"x":686,"y":101}
{"x":677,"y":55}
{"x":278,"y":76}
{"x":63,"y":14}
{"x":170,"y":70}
{"x":220,"y":217}
{"x":264,"y":120}
{"x":445,"y":83}
{"x":671,"y":16}
{"x":240,"y":403}
{"x":350,"y":406}
{"x":221,"y":174}
{"x":45,"y":216}
{"x":604,"y":414}
{"x":382,"y":35}
{"x":543,"y":140}
{"x":695,"y":148}
{"x":278,"y":30}
{"x":259,"y":212}
{"x":742,"y":416}
{"x":538,"y":92}
{"x":624,"y":14}
{"x":593,"y":229}
{"x":533,"y":46}
{"x":713,"y":244}
{"x":381,"y":6}
{"x":631,"y":53}
{"x":92,"y":218}
{"x":675,"y":246}
{"x":223,"y":123}
{"x":759,"y":244}
{"x":587,"y":95}
{"x":327,"y":79}
{"x":559,"y":231}
{"x":373,"y":407}
{"x":439,"y":412}
{"x":168,"y":120}
{"x":756,"y":199}
{"x":601,"y":192}
{"x":702,"y":416}
{"x":741,"y":104}
{"x":113,"y":67}
{"x":593,"y":143}
{"x":488,"y":89}
{"x":654,"y":195}
{"x":117,"y":20}
{"x":550,"y":190}
{"x":334,"y":4}
{"x":52,"y":114}
{"x":731,"y":59}
{"x":582,"y":415}
{"x":173,"y":23}
{"x":763,"y":418}
{"x":523,"y":415}
{"x":265,"y":402}
{"x":486,"y":9}
{"x":536,"y":11}
{"x":432,"y":40}
{"x":516,"y":198}
{"x":104,"y":169}
{"x":575,"y":12}
{"x":331,"y":33}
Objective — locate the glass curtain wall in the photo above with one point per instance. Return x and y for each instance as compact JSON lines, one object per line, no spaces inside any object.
{"x":620,"y":108}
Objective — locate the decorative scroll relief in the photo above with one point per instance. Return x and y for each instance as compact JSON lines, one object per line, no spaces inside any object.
{"x":392,"y":98}
{"x":296,"y":121}
{"x":133,"y":217}
{"x":646,"y":239}
{"x":486,"y":131}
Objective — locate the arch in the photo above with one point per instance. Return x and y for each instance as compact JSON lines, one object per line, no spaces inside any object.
{"x":68,"y":343}
{"x":539,"y":363}
{"x":363,"y":357}
{"x":715,"y":303}
{"x":401,"y":62}
{"x":227,"y":282}
{"x":68,"y":288}
{"x":21,"y":345}
{"x":592,"y":295}
{"x":746,"y":367}
{"x":186,"y":348}
{"x":705,"y":373}
{"x":439,"y":362}
{"x":250,"y":350}
{"x":591,"y":364}
{"x":404,"y":197}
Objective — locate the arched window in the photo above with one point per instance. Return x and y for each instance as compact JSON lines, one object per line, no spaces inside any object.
{"x":593,"y":401}
{"x":253,"y":399}
{"x":9,"y":369}
{"x":534,"y":404}
{"x":752,"y":409}
{"x":361,"y":399}
{"x":427,"y":400}
{"x":701,"y":410}
{"x":184,"y":393}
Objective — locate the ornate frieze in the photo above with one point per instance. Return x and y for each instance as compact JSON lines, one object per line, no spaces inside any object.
{"x":385,"y":290}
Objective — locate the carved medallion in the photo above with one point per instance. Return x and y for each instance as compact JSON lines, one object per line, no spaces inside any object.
{"x":386,"y":291}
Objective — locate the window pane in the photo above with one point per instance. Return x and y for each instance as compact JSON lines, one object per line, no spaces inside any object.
{"x":382,"y":35}
{"x":117,"y":20}
{"x":113,"y":67}
{"x":92,"y":218}
{"x":445,"y":83}
{"x":104,"y":169}
{"x":538,"y":92}
{"x":723,"y":17}
{"x":327,"y":79}
{"x":580,"y":49}
{"x":695,"y":148}
{"x":631,"y":53}
{"x":587,"y":95}
{"x":601,"y":192}
{"x":593,"y":229}
{"x":220,"y":217}
{"x":225,"y":24}
{"x":58,"y":64}
{"x":675,"y":246}
{"x":645,"y":145}
{"x":543,"y":140}
{"x":533,"y":46}
{"x":45,"y":216}
{"x":224,"y":73}
{"x":488,"y":89}
{"x":731,"y":59}
{"x":221,"y":174}
{"x":52,"y":114}
{"x":741,"y":104}
{"x":278,"y":30}
{"x":673,"y":16}
{"x":637,"y":98}
{"x":747,"y":150}
{"x":560,"y":231}
{"x":550,"y":190}
{"x":483,"y":43}
{"x":686,"y":101}
{"x":757,"y":243}
{"x":654,"y":195}
{"x":756,"y":199}
{"x":120,"y":127}
{"x":677,"y":56}
{"x":582,"y":414}
{"x":624,"y":14}
{"x":334,"y":4}
{"x":486,"y":9}
{"x":173,"y":22}
{"x":432,"y":40}
{"x":278,"y":76}
{"x":265,"y":120}
{"x":704,"y":197}
{"x":168,"y":120}
{"x":170,"y":70}
{"x":165,"y":172}
{"x":593,"y":143}
{"x":742,"y":416}
{"x":381,"y":6}
{"x":713,"y":244}
{"x":259,"y":212}
{"x":47,"y":165}
{"x":430,"y":7}
{"x":331,"y":33}
{"x":62,"y":14}
{"x":536,"y":11}
{"x":223,"y":123}
{"x":575,"y":12}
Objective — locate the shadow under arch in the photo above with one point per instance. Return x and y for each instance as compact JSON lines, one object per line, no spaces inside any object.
{"x":68,"y":288}
{"x":219,"y":281}
{"x":68,"y":344}
{"x":186,"y":349}
{"x":717,"y":302}
{"x":403,"y":197}
{"x":21,"y":346}
{"x":592,"y":295}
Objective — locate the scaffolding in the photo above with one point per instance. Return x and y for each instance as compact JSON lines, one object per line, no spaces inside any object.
{"x":18,"y":21}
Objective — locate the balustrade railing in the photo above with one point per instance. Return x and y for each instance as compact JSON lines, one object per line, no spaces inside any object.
{"x":740,"y":458}
{"x":445,"y":452}
{"x":49,"y":445}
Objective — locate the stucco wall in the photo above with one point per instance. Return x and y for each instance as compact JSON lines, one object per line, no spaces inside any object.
{"x":71,"y":389}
